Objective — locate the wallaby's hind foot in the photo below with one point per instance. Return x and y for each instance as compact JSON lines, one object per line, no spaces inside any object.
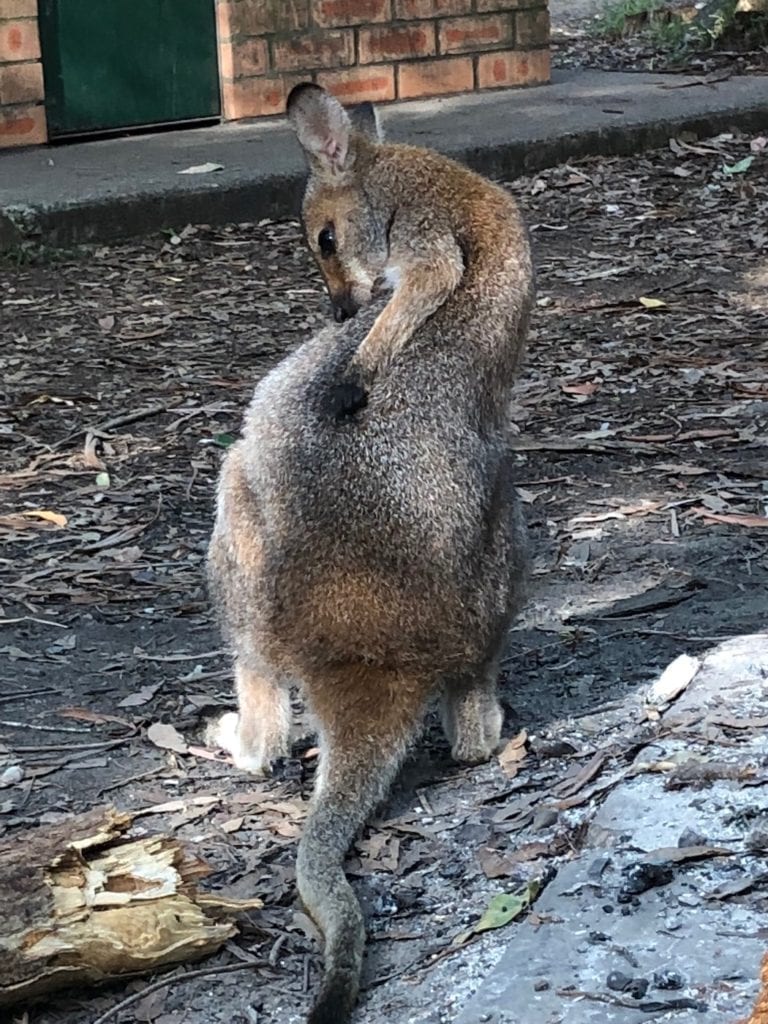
{"x":224,"y":734}
{"x":259,"y":733}
{"x":472,"y":717}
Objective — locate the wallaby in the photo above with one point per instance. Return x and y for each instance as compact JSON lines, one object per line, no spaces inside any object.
{"x":377,"y":555}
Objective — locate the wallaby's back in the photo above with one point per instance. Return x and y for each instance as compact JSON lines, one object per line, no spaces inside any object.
{"x":373,"y":513}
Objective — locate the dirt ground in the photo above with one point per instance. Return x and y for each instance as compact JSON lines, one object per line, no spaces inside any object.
{"x":641,"y":459}
{"x":579,"y":40}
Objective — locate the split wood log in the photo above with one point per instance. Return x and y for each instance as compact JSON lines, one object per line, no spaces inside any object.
{"x":82,"y":903}
{"x":760,"y":1013}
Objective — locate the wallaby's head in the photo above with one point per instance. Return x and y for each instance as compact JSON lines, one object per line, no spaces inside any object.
{"x":347,"y":231}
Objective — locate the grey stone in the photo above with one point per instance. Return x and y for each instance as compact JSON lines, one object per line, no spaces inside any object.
{"x":675,"y":934}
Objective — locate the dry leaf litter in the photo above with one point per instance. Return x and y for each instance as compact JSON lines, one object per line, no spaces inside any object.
{"x":641,"y":460}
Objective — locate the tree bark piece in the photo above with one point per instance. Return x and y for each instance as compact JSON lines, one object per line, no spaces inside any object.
{"x":82,"y":903}
{"x":760,"y":1012}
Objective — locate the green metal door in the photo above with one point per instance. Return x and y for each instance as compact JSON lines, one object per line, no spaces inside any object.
{"x":125,"y":63}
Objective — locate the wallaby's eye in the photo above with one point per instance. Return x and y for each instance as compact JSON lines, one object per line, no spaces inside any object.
{"x":326,"y":242}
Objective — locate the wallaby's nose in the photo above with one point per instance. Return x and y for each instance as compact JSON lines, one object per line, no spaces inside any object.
{"x":344,"y":306}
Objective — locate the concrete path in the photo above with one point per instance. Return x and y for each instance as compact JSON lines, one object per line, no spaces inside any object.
{"x":99,"y":191}
{"x":687,"y":943}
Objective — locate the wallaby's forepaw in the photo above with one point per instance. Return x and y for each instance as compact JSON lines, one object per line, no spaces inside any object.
{"x":472,"y":750}
{"x":477,"y":739}
{"x":223,"y":734}
{"x":368,"y":362}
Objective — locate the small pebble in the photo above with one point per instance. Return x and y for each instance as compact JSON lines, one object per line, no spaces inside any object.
{"x":607,"y":908}
{"x":638,"y":988}
{"x":757,"y":841}
{"x":688,"y":899}
{"x":452,"y":870}
{"x":597,"y":867}
{"x":384,"y":904}
{"x":691,"y":838}
{"x":641,"y":877}
{"x":540,"y":985}
{"x":11,"y":775}
{"x":545,"y":818}
{"x":668,"y":980}
{"x":617,"y":981}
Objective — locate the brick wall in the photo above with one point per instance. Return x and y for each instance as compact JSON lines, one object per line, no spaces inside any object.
{"x":360,"y":49}
{"x":22,"y":114}
{"x":376,"y":49}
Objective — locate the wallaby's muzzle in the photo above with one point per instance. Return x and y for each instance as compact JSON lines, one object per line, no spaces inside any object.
{"x":344,"y":307}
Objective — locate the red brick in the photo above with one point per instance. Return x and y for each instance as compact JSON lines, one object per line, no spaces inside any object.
{"x":329,"y":13}
{"x":435,"y":77}
{"x":242,"y":60}
{"x":360,"y":84}
{"x":22,"y":126}
{"x":431,"y":8}
{"x":396,"y":42}
{"x":532,"y":27}
{"x":225,"y":20}
{"x":237,"y":18}
{"x":256,"y":97}
{"x":21,"y":83}
{"x":321,"y":50}
{"x":18,"y":41}
{"x":517,"y":67}
{"x":467,"y":35}
{"x":18,"y":9}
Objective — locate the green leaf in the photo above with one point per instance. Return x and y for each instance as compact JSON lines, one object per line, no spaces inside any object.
{"x":506,"y":907}
{"x":501,"y":909}
{"x":740,"y":167}
{"x":651,"y":303}
{"x":224,"y":440}
{"x":102,"y":480}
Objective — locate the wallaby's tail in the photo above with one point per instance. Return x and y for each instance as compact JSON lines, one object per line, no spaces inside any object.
{"x":367,"y":718}
{"x":329,"y":899}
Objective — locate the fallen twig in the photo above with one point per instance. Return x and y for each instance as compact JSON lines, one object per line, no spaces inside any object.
{"x":132,"y":778}
{"x":116,"y":421}
{"x":31,"y":618}
{"x":710,"y":80}
{"x":575,"y":444}
{"x":180,"y":657}
{"x":9,"y":698}
{"x":41,"y":728}
{"x":58,"y":749}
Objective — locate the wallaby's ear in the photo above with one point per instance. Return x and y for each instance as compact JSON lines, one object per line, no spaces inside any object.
{"x":322,"y":126}
{"x":366,"y":121}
